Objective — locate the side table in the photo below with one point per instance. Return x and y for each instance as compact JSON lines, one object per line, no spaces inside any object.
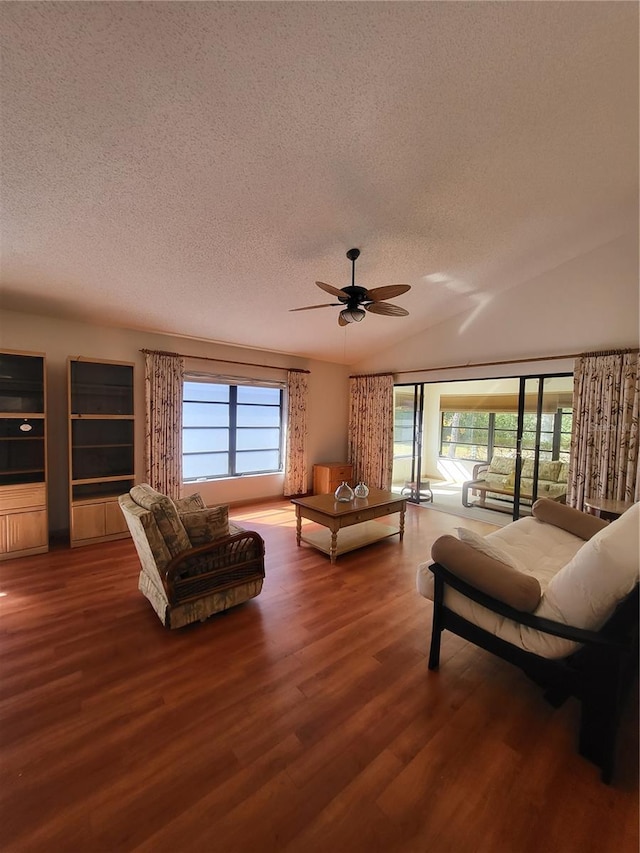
{"x":416,"y":494}
{"x":607,"y":508}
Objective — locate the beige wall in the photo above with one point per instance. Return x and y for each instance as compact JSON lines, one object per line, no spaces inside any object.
{"x":58,"y":339}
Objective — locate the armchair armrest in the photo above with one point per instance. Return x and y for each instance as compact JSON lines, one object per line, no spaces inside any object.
{"x":547,"y":626}
{"x":214,"y":567}
{"x":480,"y":468}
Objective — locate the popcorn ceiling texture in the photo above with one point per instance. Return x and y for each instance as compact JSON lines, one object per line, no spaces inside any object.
{"x":194,"y":167}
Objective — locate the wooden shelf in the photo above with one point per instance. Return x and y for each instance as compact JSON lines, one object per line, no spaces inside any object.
{"x":101,"y":447}
{"x":23,"y":494}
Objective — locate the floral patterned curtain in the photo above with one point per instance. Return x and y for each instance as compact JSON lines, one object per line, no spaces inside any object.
{"x":163,"y":428}
{"x":371,"y":429}
{"x":604,"y":436}
{"x":295,"y":472}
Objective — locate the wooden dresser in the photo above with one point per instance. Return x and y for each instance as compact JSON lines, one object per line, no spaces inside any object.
{"x":328,"y":476}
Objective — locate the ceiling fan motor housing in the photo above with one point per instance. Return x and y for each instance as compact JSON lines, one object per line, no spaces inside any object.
{"x":354,"y":296}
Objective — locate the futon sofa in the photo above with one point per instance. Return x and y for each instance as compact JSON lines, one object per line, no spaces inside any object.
{"x":501,"y":474}
{"x":557,"y":595}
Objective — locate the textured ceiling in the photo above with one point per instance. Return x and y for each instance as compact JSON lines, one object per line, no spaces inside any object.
{"x":193,"y":168}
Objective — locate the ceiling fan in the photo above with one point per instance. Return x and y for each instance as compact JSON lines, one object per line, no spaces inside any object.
{"x":354,"y":298}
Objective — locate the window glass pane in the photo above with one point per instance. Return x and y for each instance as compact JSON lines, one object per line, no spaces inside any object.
{"x":257,"y":460}
{"x":205,"y":465}
{"x":205,"y":414}
{"x":402,"y":448}
{"x":258,"y":416}
{"x":205,"y":391}
{"x":258,"y":439}
{"x":502,"y":438}
{"x":198,"y":440}
{"x":253,"y":394}
{"x":230,"y":430}
{"x":472,"y":452}
{"x":506,"y":421}
{"x":546,"y":422}
{"x":403,"y":433}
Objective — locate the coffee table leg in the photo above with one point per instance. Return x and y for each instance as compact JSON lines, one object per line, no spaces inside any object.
{"x":402,"y":511}
{"x":334,"y":545}
{"x":298,"y":526}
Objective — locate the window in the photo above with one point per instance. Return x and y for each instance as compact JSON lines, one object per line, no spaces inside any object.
{"x":230,"y":430}
{"x":465,"y":435}
{"x":476,"y":436}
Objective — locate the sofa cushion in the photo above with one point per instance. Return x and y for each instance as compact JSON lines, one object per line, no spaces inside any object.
{"x":601,"y":574}
{"x":487,"y":574}
{"x":502,"y":465}
{"x":206,"y":525}
{"x":549,"y":471}
{"x":546,"y":470}
{"x":579,"y":523}
{"x":166,"y":516}
{"x":480,"y":543}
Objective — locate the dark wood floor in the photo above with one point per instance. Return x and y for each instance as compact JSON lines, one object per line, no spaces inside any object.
{"x":303,"y":721}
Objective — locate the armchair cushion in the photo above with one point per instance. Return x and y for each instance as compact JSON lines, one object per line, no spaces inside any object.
{"x":567,"y":518}
{"x":166,"y":516}
{"x":493,"y":577}
{"x":206,"y":525}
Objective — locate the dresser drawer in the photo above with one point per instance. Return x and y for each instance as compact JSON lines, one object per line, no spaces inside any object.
{"x":327,"y":477}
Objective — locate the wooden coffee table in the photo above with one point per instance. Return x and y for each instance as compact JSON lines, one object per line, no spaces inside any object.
{"x":358,"y":514}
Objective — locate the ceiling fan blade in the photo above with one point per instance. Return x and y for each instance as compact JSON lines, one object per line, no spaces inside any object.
{"x":309,"y":307}
{"x":386,"y":308}
{"x":329,"y":288}
{"x":341,"y":320}
{"x":377,"y":294}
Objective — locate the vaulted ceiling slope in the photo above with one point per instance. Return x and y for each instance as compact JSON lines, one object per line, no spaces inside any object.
{"x":193,"y":168}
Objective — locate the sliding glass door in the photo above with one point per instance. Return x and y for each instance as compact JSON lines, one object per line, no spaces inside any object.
{"x":515,"y":432}
{"x":407,"y":439}
{"x":543,"y":441}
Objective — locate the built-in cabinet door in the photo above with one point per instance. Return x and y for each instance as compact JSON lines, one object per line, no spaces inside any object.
{"x":23,"y":519}
{"x":97,"y":520}
{"x":88,"y":521}
{"x":25,"y":530}
{"x":114,"y":519}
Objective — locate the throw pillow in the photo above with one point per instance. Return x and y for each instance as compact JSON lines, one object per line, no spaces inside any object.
{"x":581,"y":524}
{"x":166,"y":516}
{"x":549,"y":471}
{"x":190,"y":503}
{"x":491,"y":576}
{"x":601,"y":574}
{"x":206,"y":525}
{"x":501,"y":465}
{"x":481,"y":544}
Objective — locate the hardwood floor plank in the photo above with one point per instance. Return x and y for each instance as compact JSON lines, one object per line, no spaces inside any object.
{"x":305,"y":720}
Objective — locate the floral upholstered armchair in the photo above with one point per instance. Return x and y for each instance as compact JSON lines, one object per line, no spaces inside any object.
{"x":194,"y":562}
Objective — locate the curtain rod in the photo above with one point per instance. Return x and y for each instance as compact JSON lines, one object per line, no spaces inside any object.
{"x":223,"y":360}
{"x":498,"y":363}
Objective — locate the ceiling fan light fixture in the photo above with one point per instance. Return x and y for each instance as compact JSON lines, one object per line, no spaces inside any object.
{"x":352,"y":315}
